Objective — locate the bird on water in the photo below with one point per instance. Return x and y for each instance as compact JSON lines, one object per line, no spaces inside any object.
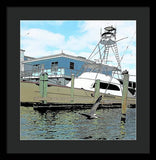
{"x":92,"y":113}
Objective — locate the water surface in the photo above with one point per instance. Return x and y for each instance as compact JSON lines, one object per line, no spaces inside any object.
{"x":70,"y":125}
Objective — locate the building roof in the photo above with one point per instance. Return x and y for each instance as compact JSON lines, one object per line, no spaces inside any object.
{"x":29,"y":57}
{"x":22,"y":50}
{"x":59,"y":55}
{"x":79,"y":58}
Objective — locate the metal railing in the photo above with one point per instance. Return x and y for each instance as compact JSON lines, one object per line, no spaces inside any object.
{"x":31,"y":73}
{"x":51,"y":73}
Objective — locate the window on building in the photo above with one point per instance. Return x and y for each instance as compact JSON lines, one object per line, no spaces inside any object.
{"x":36,"y":68}
{"x":54,"y":66}
{"x":108,"y":86}
{"x":71,"y":65}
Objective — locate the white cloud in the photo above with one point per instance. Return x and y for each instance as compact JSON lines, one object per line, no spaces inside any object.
{"x":84,"y":54}
{"x":44,"y":37}
{"x":37,"y":41}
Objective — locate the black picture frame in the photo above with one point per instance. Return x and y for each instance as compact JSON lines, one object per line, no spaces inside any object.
{"x":12,"y":146}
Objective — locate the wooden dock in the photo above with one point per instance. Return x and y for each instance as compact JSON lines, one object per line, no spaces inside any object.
{"x":59,"y":97}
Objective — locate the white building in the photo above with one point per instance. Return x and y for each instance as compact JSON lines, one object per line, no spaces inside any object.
{"x":21,"y":59}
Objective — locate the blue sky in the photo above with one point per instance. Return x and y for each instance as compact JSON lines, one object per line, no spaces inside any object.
{"x":47,"y":37}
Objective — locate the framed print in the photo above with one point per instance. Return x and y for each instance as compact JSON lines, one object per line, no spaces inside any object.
{"x":76,"y":80}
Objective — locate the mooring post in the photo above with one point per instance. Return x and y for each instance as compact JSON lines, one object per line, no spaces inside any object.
{"x":43,"y":85}
{"x":72,"y":88}
{"x":122,"y":130}
{"x":124,"y":95}
{"x":97,"y":88}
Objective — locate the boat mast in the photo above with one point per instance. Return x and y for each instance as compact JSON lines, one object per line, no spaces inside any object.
{"x":102,"y":51}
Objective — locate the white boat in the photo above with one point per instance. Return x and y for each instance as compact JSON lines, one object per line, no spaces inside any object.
{"x":108,"y":84}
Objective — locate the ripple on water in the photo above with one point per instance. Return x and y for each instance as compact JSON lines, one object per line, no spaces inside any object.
{"x":70,"y":125}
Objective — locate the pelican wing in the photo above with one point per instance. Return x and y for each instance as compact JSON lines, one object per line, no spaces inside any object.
{"x":94,"y":108}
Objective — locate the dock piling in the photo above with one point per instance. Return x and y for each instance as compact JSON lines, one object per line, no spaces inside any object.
{"x":43,"y":86}
{"x":72,"y":88}
{"x":124,"y":95}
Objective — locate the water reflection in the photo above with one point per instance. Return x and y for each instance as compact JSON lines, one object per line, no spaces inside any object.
{"x":70,"y":125}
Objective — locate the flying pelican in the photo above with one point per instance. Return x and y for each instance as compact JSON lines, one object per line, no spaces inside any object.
{"x":92,"y":114}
